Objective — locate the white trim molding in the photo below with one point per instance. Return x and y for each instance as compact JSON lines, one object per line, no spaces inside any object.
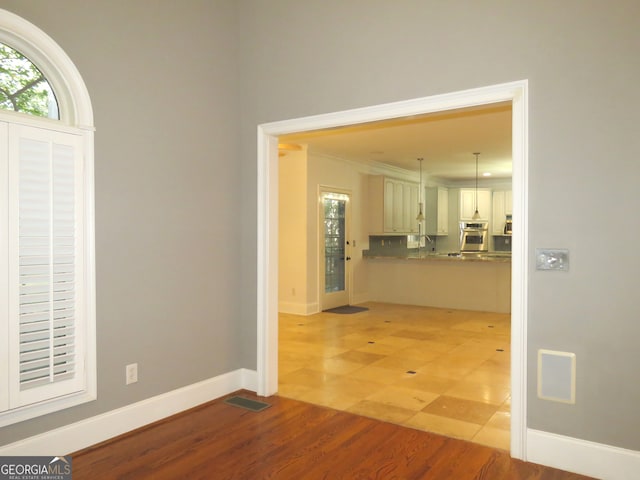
{"x":581,"y":456}
{"x":76,"y":117}
{"x":70,"y":90}
{"x":298,"y":308}
{"x":267,"y":225}
{"x":83,"y":434}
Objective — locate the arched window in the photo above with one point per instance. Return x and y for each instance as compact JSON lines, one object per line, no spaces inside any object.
{"x":23,"y":87}
{"x":47,"y":264}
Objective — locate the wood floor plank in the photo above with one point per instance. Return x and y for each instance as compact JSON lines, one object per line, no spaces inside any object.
{"x":294,"y":440}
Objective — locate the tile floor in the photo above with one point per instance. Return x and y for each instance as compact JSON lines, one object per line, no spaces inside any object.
{"x":440,"y":370}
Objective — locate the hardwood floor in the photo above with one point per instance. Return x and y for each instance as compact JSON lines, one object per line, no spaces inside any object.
{"x":294,"y":440}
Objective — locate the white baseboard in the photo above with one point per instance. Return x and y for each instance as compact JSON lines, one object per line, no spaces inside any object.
{"x":83,"y":434}
{"x":581,"y":456}
{"x":298,"y":308}
{"x":359,"y":298}
{"x":312,"y":308}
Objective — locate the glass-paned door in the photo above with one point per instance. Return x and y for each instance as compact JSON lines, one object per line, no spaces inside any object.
{"x":334,"y":253}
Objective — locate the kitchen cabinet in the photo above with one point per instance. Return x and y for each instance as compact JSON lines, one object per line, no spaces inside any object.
{"x":508,"y":202}
{"x":393,"y":205}
{"x":468,"y":204}
{"x":436,"y":211}
{"x":502,"y":206}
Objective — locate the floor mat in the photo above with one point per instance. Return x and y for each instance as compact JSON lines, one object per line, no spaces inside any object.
{"x":346,"y":309}
{"x":247,"y":403}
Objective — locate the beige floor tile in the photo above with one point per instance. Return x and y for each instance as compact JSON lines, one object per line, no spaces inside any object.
{"x":498,"y":362}
{"x":285,"y":368}
{"x":357,"y":356}
{"x":398,"y":340}
{"x":462,"y":360}
{"x":407,"y":398}
{"x":327,"y":398}
{"x":334,"y":365}
{"x":399,"y":363}
{"x":443,"y":425}
{"x":379,"y":348}
{"x":439,"y":368}
{"x":492,"y":376}
{"x":382,"y":411}
{"x":493,"y":437}
{"x":285,"y":356}
{"x":482,"y":392}
{"x":384,"y":376}
{"x":500,"y":420}
{"x":307,"y":377}
{"x":361,"y":362}
{"x":418,"y":353}
{"x":437,"y":347}
{"x":292,"y":390}
{"x":427,"y":383}
{"x":353,"y":387}
{"x":348,"y":342}
{"x":461,"y":409}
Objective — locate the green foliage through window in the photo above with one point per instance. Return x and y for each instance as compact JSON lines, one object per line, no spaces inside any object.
{"x":23,"y":88}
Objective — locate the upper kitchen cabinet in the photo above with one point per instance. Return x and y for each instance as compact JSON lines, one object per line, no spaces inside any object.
{"x":436,"y":214}
{"x":468,"y":203}
{"x":393,"y":205}
{"x":502,"y":206}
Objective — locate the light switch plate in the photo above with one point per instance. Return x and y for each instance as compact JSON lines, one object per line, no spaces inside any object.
{"x":552,"y":259}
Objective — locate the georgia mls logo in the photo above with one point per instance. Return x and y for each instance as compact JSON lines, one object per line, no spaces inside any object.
{"x":60,"y":465}
{"x":35,"y":468}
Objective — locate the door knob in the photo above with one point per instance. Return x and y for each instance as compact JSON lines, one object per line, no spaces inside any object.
{"x":348,"y":258}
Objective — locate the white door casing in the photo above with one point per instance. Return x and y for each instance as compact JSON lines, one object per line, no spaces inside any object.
{"x":267,"y":198}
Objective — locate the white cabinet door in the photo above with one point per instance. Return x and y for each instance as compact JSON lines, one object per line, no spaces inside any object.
{"x":498,"y":213}
{"x":502,"y":200}
{"x":393,"y":205}
{"x":436,"y":211}
{"x":388,"y":205}
{"x":443,"y":211}
{"x":468,"y":203}
{"x":398,"y":207}
{"x":411,"y":207}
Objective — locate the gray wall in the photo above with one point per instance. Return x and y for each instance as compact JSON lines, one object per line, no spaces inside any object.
{"x":300,"y":58}
{"x":163,"y":83}
{"x":176,"y":175}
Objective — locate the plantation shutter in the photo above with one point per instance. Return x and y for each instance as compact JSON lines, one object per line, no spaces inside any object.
{"x":46,"y":271}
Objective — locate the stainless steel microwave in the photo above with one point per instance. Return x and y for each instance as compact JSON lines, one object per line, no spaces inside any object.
{"x":508,"y":224}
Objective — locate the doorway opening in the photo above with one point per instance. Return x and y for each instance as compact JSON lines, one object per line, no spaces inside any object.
{"x":267,"y":315}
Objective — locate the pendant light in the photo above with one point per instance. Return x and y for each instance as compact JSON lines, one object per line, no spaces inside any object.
{"x":420,"y":216}
{"x":476,"y":215}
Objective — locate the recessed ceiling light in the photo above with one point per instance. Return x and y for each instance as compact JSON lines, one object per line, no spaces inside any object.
{"x":486,"y":174}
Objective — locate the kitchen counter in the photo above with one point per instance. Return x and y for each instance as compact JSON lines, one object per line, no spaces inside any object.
{"x":495,"y":257}
{"x":480,"y":282}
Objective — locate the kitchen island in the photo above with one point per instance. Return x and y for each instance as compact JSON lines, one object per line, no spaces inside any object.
{"x":479,"y":282}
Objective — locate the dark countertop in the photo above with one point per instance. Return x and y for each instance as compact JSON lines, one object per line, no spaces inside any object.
{"x":494,"y":257}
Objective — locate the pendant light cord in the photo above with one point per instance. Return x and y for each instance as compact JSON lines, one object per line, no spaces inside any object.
{"x":476,"y":181}
{"x":476,"y":215}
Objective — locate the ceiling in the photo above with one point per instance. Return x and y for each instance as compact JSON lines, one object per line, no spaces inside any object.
{"x":445,"y":140}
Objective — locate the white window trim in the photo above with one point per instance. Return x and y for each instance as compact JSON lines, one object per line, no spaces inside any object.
{"x":76,"y":115}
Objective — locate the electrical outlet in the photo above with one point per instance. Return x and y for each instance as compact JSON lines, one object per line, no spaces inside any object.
{"x":131,"y":373}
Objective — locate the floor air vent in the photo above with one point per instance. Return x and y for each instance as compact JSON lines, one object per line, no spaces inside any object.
{"x":247,"y":403}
